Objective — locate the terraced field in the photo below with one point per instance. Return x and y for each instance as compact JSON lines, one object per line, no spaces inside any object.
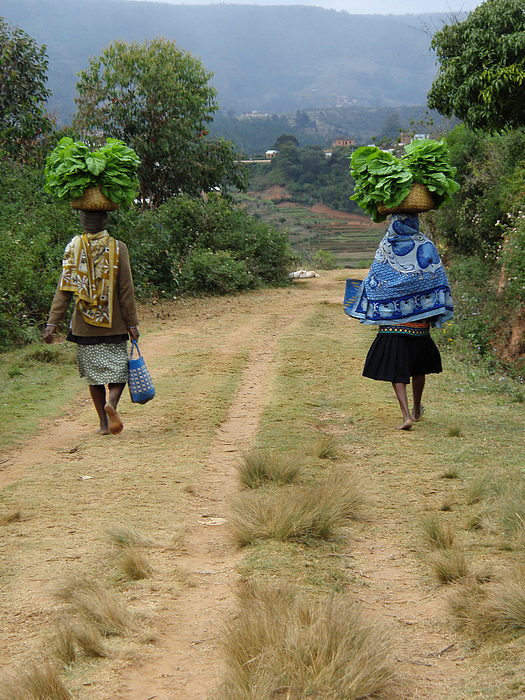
{"x":352,"y":239}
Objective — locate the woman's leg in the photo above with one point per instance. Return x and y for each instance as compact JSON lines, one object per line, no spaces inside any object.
{"x":418,"y":384}
{"x":115,"y":424}
{"x":401,"y":393}
{"x":98,"y":395}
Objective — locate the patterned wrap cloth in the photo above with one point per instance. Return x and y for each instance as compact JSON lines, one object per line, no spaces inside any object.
{"x":89,"y":269}
{"x":406,"y":282}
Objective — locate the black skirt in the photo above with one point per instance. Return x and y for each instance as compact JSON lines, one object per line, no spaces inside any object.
{"x":396,"y":358}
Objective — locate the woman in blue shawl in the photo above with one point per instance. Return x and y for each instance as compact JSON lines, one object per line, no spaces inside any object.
{"x":404,"y":294}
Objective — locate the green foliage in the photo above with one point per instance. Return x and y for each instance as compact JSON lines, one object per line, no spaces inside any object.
{"x":489,"y":170}
{"x":157,"y":98}
{"x":71,"y":168}
{"x":202,"y":246}
{"x":23,"y":117}
{"x":311,"y":176}
{"x":381,"y":177}
{"x":482,"y":67}
{"x":33,"y":234}
{"x":512,"y":257}
{"x":213,"y":272}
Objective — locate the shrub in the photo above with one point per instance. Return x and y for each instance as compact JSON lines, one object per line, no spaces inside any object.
{"x":33,"y":233}
{"x":209,"y":272}
{"x":202,"y":246}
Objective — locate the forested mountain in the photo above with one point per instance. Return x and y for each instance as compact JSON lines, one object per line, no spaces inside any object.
{"x":271,"y":59}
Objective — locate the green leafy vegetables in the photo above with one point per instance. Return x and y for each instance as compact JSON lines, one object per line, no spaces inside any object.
{"x":71,"y":168}
{"x":382,"y":178}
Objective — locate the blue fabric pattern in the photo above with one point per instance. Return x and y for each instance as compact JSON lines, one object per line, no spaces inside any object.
{"x":406,"y":282}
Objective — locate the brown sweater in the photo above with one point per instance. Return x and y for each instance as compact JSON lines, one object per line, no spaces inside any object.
{"x":124,"y":310}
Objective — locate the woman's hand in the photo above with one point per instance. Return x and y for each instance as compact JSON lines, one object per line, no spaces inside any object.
{"x":134,"y":332}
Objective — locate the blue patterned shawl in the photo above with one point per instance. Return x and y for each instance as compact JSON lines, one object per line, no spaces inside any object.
{"x":407,"y":280}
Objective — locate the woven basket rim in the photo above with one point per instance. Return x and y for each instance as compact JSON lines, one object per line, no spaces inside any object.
{"x":94,"y":200}
{"x":418,"y":199}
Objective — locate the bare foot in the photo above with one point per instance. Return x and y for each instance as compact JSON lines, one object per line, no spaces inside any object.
{"x":417,"y":416}
{"x":405,"y":425}
{"x":114,"y":423}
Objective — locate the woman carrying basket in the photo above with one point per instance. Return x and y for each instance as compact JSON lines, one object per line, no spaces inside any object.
{"x":405,"y":293}
{"x":96,"y":271}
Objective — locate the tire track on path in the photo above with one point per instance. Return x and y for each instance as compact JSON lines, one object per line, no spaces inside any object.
{"x":188,"y":664}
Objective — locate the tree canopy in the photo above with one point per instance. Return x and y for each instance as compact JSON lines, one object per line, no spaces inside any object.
{"x":482,"y":67}
{"x":23,"y":92}
{"x":157,"y":98}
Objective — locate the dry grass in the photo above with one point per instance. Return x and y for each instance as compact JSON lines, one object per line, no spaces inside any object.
{"x":90,"y":641}
{"x":436,"y":533}
{"x":65,"y":643}
{"x":451,"y":472}
{"x":481,"y":488}
{"x":126,"y":536}
{"x":327,"y":447}
{"x":449,"y":565}
{"x":492,"y":609}
{"x":35,"y":683}
{"x":78,"y":636}
{"x":281,"y":645}
{"x":260,"y":467}
{"x":133,"y":564}
{"x":511,"y":507}
{"x":97,"y":605}
{"x":13,"y":516}
{"x":315,"y":511}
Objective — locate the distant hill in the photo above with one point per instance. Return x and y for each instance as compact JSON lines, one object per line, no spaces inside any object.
{"x":272,"y":59}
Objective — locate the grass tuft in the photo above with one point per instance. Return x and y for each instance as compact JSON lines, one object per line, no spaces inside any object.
{"x":65,"y":645}
{"x":492,"y":609}
{"x":126,"y":536}
{"x":35,"y":683}
{"x":13,"y":516}
{"x":90,"y":641}
{"x":454,"y":431}
{"x":134,"y":564}
{"x":281,"y":645}
{"x":437,"y":534}
{"x":327,"y":447}
{"x":97,"y":605}
{"x":260,"y":467}
{"x":451,"y":472}
{"x":449,"y":565}
{"x":512,"y":510}
{"x":296,"y":512}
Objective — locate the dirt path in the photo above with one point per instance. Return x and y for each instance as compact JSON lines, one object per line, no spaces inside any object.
{"x":184,"y":663}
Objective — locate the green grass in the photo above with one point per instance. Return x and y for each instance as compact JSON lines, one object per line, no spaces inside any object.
{"x":36,"y":383}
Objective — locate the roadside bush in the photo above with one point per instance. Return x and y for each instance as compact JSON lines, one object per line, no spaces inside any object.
{"x":200,"y":246}
{"x":207,"y":272}
{"x":187,"y":246}
{"x":33,"y":233}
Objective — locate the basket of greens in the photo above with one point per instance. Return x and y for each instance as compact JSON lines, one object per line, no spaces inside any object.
{"x":98,"y":180}
{"x":385,"y":184}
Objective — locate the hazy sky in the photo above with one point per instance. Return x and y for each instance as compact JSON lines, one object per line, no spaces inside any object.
{"x":361,"y":7}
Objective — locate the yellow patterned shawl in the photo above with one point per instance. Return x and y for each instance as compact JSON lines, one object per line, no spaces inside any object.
{"x":89,"y":269}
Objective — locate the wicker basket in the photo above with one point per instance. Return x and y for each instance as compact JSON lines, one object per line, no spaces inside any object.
{"x":94,"y":200}
{"x":419,"y":199}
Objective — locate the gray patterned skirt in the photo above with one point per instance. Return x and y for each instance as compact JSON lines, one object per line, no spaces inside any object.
{"x":104,"y":363}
